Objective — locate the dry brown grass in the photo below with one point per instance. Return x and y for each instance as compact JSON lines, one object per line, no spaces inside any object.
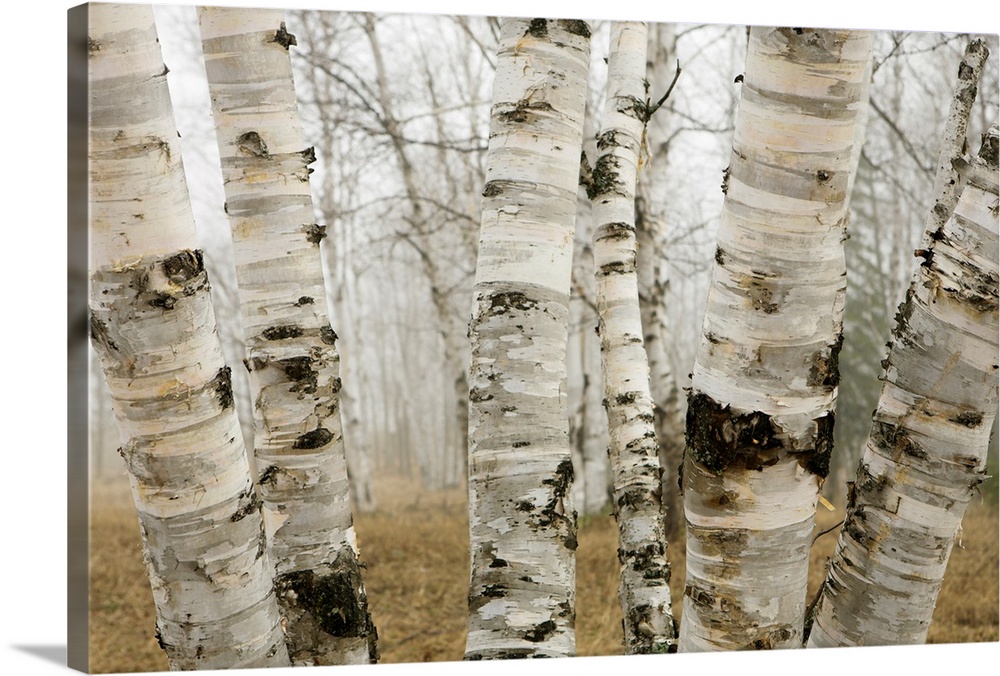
{"x":416,"y":550}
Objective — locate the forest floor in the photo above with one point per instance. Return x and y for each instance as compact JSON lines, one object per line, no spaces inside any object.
{"x":416,"y":549}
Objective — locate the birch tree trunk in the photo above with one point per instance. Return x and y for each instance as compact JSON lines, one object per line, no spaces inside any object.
{"x":522,"y":522}
{"x":153,"y":325}
{"x":291,"y":348}
{"x":650,"y":224}
{"x":643,"y":590}
{"x":926,"y":453}
{"x":760,"y":412}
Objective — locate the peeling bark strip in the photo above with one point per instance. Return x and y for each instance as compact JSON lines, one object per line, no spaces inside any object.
{"x":520,"y":472}
{"x":294,"y":365}
{"x":926,"y":453}
{"x":643,"y":592}
{"x":760,"y":416}
{"x":153,"y":328}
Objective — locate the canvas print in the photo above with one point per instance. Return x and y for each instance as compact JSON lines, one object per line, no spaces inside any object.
{"x":418,"y":337}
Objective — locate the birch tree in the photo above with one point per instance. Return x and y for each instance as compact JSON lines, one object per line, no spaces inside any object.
{"x":152,"y":323}
{"x":522,"y":522}
{"x":644,"y":572}
{"x":760,"y":412}
{"x":926,"y":452}
{"x":291,"y":348}
{"x":651,"y":245}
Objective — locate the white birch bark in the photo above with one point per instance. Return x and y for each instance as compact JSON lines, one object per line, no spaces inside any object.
{"x":153,"y":326}
{"x":760,"y":413}
{"x":291,"y":348}
{"x":651,"y":208}
{"x":522,"y":522}
{"x":926,"y":453}
{"x":643,"y":590}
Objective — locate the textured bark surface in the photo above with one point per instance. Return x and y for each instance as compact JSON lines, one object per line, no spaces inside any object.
{"x":643,"y":590}
{"x":948,"y":180}
{"x":760,"y":413}
{"x":153,"y":325}
{"x":522,"y":522}
{"x":291,"y":348}
{"x":926,"y":454}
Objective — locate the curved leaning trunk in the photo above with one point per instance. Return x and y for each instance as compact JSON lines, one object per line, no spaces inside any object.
{"x":522,"y":522}
{"x":760,"y":412}
{"x":643,"y":590}
{"x":291,"y":349}
{"x":926,"y":453}
{"x":153,"y":325}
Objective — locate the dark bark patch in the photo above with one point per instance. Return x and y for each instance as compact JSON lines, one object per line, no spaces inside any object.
{"x":970,"y":419}
{"x":493,"y":188}
{"x":617,"y":268}
{"x":184,"y":266}
{"x":304,"y":300}
{"x":251,"y":143}
{"x":575,"y":27}
{"x":309,"y":155}
{"x":540,"y":632}
{"x":283,"y":37}
{"x":990,"y":150}
{"x":247,"y":505}
{"x":494,"y":591}
{"x":524,"y":506}
{"x":825,"y":368}
{"x":718,"y":438}
{"x":477,"y":395}
{"x":719,"y":256}
{"x":281,"y":332}
{"x":499,"y":563}
{"x":537,"y":28}
{"x":817,"y":459}
{"x":222,"y":383}
{"x":269,"y":474}
{"x":617,"y":231}
{"x":896,"y":439}
{"x":99,"y":334}
{"x":317,"y":438}
{"x":328,"y":335}
{"x":604,"y":178}
{"x":525,"y":111}
{"x":562,"y":480}
{"x":823,"y":176}
{"x":335,"y":601}
{"x":521,"y":444}
{"x":315,"y":233}
{"x":300,"y":370}
{"x":504,"y":301}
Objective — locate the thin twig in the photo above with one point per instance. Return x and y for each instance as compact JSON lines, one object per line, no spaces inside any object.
{"x":656,"y":106}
